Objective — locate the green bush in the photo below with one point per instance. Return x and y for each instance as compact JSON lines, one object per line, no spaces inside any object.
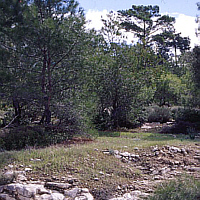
{"x":159,"y":114}
{"x":25,"y":136}
{"x":186,"y":188}
{"x":20,"y":137}
{"x":186,"y":114}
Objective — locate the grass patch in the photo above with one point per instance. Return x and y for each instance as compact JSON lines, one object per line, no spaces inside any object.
{"x":109,"y":134}
{"x":95,"y":170}
{"x":186,"y":188}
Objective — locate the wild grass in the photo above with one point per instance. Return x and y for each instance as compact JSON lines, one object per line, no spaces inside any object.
{"x":87,"y":161}
{"x":184,"y":188}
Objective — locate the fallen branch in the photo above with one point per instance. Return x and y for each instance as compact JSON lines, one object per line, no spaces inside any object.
{"x":7,"y":126}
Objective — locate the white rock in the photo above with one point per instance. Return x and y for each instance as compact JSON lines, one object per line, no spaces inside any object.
{"x":6,"y":197}
{"x":125,"y":154}
{"x":116,"y":152}
{"x":88,"y":196}
{"x":72,"y":193}
{"x":10,"y":166}
{"x":81,"y":198}
{"x":44,"y":197}
{"x":174,"y":149}
{"x":57,"y":196}
{"x":27,"y":169}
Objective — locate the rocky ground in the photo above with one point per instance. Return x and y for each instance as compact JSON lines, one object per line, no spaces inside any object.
{"x":153,"y":165}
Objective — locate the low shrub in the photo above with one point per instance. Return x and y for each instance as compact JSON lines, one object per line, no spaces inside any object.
{"x":186,"y":114}
{"x":186,"y":188}
{"x":179,"y":127}
{"x":34,"y":136}
{"x":159,"y":114}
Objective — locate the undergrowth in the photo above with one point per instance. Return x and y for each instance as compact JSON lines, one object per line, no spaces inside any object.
{"x":186,"y":188}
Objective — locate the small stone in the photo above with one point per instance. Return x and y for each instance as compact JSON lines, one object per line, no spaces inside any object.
{"x":118,"y":187}
{"x":194,"y":169}
{"x":101,"y":173}
{"x":1,"y":188}
{"x":157,"y":178}
{"x":96,"y":179}
{"x":6,"y":197}
{"x":136,"y":148}
{"x":125,"y":154}
{"x":72,"y":193}
{"x":27,"y":169}
{"x":156,"y":153}
{"x":57,"y":196}
{"x":116,"y":152}
{"x":43,"y":197}
{"x":10,"y":166}
{"x":81,"y":198}
{"x":54,"y":185}
{"x":21,"y":177}
{"x":117,"y":156}
{"x":176,"y":162}
{"x":175,"y":149}
{"x":124,"y":160}
{"x":84,"y":190}
{"x":155,"y":149}
{"x":35,"y":160}
{"x":197,"y":157}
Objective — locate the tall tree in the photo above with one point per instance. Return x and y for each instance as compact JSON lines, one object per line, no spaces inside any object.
{"x":198,"y":20}
{"x":145,"y":22}
{"x":48,"y":48}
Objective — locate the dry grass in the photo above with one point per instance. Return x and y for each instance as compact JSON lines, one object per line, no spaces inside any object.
{"x":87,"y":162}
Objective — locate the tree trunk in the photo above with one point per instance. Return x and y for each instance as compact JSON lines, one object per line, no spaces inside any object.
{"x":46,"y":117}
{"x":17,"y":111}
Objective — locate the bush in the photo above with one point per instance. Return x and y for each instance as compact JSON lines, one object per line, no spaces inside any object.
{"x":179,"y":127}
{"x":20,"y":137}
{"x":132,"y":119}
{"x":182,"y":189}
{"x":159,"y":114}
{"x":186,"y":114}
{"x":35,"y":136}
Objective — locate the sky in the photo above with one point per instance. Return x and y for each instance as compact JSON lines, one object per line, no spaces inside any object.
{"x":185,"y":12}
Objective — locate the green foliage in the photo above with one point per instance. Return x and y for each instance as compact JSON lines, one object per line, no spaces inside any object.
{"x":159,"y":114}
{"x":196,"y":75}
{"x":191,"y":131}
{"x":186,"y":114}
{"x":35,"y":136}
{"x":145,"y":21}
{"x":71,"y":79}
{"x":181,"y":189}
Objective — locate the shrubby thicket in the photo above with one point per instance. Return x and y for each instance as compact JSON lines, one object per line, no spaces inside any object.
{"x":59,"y":79}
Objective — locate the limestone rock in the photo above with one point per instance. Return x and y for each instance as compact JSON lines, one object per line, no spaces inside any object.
{"x":72,"y":193}
{"x":57,"y":186}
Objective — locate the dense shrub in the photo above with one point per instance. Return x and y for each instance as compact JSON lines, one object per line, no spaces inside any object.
{"x":102,"y":121}
{"x":179,"y":127}
{"x":181,"y":189}
{"x":105,"y":120}
{"x":186,"y":114}
{"x":34,"y":136}
{"x":20,"y":137}
{"x":159,"y":114}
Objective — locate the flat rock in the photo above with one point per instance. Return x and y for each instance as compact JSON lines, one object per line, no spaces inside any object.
{"x":194,"y":169}
{"x":57,"y":186}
